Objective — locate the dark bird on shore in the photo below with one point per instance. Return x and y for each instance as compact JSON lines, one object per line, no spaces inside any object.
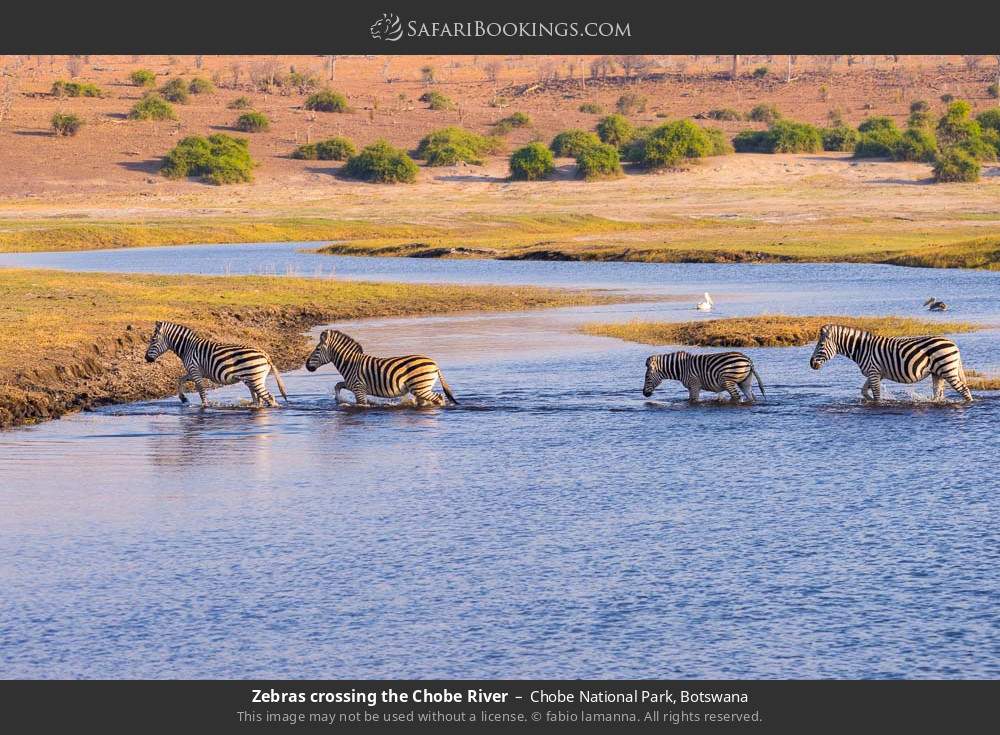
{"x":934,"y":305}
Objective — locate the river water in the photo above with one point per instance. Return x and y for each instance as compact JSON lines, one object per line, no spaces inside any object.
{"x":555,"y":524}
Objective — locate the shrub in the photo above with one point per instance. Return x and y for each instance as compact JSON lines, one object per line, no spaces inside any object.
{"x":955,"y":165}
{"x":448,"y":146}
{"x":381,"y":163}
{"x":957,"y":129}
{"x":615,"y":130}
{"x":217,"y":159}
{"x":62,"y":88}
{"x":142,"y":78}
{"x":598,"y":161}
{"x":635,"y":149}
{"x":327,"y":101}
{"x":720,"y":143}
{"x":66,"y":123}
{"x":671,"y":143}
{"x":630,"y":102}
{"x":919,"y":106}
{"x":916,"y":144}
{"x":252,"y":122}
{"x":240,"y":103}
{"x":531,"y":163}
{"x":436,"y":101}
{"x":724,"y":113}
{"x":919,"y":119}
{"x":784,"y":136}
{"x":570,"y":143}
{"x":515,"y":120}
{"x":990,"y":119}
{"x":176,"y":90}
{"x":764,"y":114}
{"x":947,"y":98}
{"x":592,"y":108}
{"x":993,"y":90}
{"x":878,"y":143}
{"x":840,"y":138}
{"x":332,"y":149}
{"x":877,"y":123}
{"x":152,"y":107}
{"x":200,"y":85}
{"x":760,"y":72}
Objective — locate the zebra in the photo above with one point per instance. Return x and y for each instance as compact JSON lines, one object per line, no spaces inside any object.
{"x":386,"y":377}
{"x":899,"y":359}
{"x":221,"y":363}
{"x":716,"y":372}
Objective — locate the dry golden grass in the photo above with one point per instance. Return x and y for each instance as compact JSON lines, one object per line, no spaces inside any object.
{"x":764,"y":331}
{"x":981,"y":381}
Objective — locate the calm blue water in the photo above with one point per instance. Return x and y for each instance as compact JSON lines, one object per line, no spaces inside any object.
{"x":555,"y":524}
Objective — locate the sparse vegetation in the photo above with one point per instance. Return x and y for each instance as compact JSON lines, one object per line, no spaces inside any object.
{"x":61,"y":88}
{"x":437,"y":101}
{"x":760,"y":72}
{"x":723,"y":113}
{"x":783,"y":136}
{"x":252,"y":122}
{"x":327,"y":101}
{"x":240,"y":103}
{"x":630,"y":103}
{"x":531,"y":163}
{"x":764,"y":331}
{"x":331,"y":149}
{"x":615,"y":130}
{"x":570,"y":143}
{"x":592,"y":108}
{"x":764,"y":113}
{"x":511,"y":122}
{"x":152,"y":107}
{"x":142,"y":78}
{"x":66,"y":123}
{"x":993,"y":90}
{"x":217,"y":159}
{"x":978,"y":380}
{"x":381,"y":163}
{"x":598,"y":161}
{"x":451,"y":145}
{"x":176,"y":90}
{"x":200,"y":85}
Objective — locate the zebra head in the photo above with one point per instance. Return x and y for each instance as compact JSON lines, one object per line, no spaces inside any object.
{"x":660,"y":368}
{"x":826,"y":347}
{"x":333,"y":346}
{"x":157,"y":343}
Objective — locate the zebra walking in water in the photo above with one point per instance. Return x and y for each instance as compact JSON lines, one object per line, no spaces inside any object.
{"x":716,"y":372}
{"x":385,"y":377}
{"x":221,"y":363}
{"x":899,"y":359}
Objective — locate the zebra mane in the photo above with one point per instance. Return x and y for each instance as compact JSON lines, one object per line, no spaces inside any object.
{"x":175,"y":329}
{"x":344,"y":340}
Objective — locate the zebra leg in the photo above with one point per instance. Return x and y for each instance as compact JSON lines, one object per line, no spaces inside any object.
{"x":730,"y":386}
{"x":875,"y":384}
{"x":694,"y":392}
{"x":429,"y":398}
{"x":956,"y":382}
{"x":180,"y":387}
{"x":336,"y":390}
{"x":938,"y":382}
{"x":360,"y":394}
{"x":747,"y":387}
{"x":199,"y":384}
{"x":866,"y":391}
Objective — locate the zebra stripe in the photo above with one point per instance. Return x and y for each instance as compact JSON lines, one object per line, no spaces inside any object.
{"x":220,"y":363}
{"x":899,"y":359}
{"x":385,"y":377}
{"x":715,"y":372}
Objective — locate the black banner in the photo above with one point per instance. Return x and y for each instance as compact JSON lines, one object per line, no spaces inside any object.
{"x":517,"y":706}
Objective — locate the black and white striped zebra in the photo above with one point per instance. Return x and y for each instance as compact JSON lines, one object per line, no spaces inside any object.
{"x":204,"y":359}
{"x":385,"y":377}
{"x":715,"y":372}
{"x":899,"y":359}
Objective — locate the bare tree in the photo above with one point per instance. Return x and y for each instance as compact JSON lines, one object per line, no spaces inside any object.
{"x":491,"y":71}
{"x":385,"y":69}
{"x":736,"y":65}
{"x":236,"y":72}
{"x":8,"y":92}
{"x":997,"y":57}
{"x":199,"y":61}
{"x":74,"y":65}
{"x":331,"y":67}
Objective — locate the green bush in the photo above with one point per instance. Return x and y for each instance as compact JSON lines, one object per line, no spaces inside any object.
{"x":598,"y":161}
{"x":916,"y":144}
{"x":152,"y":107}
{"x":448,"y":146}
{"x":724,"y":113}
{"x":630,"y":102}
{"x":877,"y":123}
{"x":381,"y":163}
{"x":635,"y":149}
{"x":531,"y":163}
{"x":720,"y":143}
{"x":671,"y":143}
{"x":331,"y":149}
{"x":760,"y":72}
{"x":142,"y":78}
{"x":570,"y":143}
{"x":592,"y":108}
{"x":252,"y":122}
{"x":511,"y":122}
{"x":764,"y":113}
{"x":840,"y":138}
{"x":66,"y":123}
{"x":327,"y":101}
{"x":62,"y":88}
{"x":880,"y":143}
{"x":990,"y":119}
{"x":217,"y":159}
{"x":615,"y":130}
{"x":955,"y":165}
{"x":240,"y":103}
{"x":784,"y":136}
{"x":993,"y":90}
{"x":437,"y":101}
{"x":176,"y":90}
{"x":920,"y":106}
{"x":947,"y":98}
{"x":200,"y":85}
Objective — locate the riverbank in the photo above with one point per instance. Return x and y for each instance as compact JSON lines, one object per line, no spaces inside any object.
{"x":70,"y":341}
{"x":765,"y":331}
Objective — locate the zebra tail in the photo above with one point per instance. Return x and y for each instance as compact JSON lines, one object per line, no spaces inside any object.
{"x":759,"y":384}
{"x":446,"y":388}
{"x":278,"y":380}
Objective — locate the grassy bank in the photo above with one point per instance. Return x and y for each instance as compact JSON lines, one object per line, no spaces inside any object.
{"x":73,"y":340}
{"x":982,"y":381}
{"x":764,"y":331}
{"x":552,"y":235}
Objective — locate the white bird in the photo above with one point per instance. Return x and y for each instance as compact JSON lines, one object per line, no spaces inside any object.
{"x":707,"y":304}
